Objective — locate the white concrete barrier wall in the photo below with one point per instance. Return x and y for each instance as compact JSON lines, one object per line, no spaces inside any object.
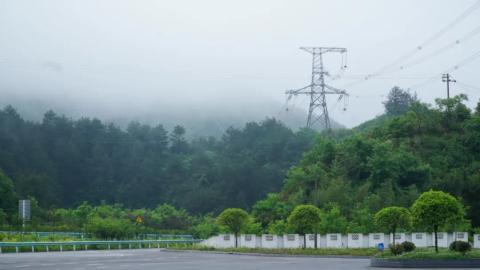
{"x":442,"y":238}
{"x":292,"y":241}
{"x":227,"y":240}
{"x":399,"y":238}
{"x":356,"y":240}
{"x":460,"y":236}
{"x":476,"y":241}
{"x":220,"y":241}
{"x":271,"y":241}
{"x":336,"y":240}
{"x":376,"y":238}
{"x":311,"y":241}
{"x":323,"y":240}
{"x":419,"y":239}
{"x":249,"y":241}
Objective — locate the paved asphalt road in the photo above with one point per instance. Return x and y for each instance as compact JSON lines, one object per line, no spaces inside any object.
{"x":158,"y":259}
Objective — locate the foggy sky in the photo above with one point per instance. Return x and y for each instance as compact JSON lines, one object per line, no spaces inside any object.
{"x":116,"y":59}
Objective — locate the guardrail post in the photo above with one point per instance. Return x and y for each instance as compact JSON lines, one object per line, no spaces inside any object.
{"x":16,"y":249}
{"x":149,"y":245}
{"x":119,"y":246}
{"x":129,"y":246}
{"x":74,"y":248}
{"x":61,"y":248}
{"x":33,"y":249}
{"x":86,"y":247}
{"x":108,"y":246}
{"x":46,"y":247}
{"x":158,"y":245}
{"x":0,"y":249}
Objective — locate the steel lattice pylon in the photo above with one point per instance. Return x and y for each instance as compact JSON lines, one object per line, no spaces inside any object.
{"x":318,"y":89}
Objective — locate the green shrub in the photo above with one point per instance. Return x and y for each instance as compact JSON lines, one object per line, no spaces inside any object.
{"x":408,"y":246}
{"x":206,"y":228}
{"x":460,"y":246}
{"x":396,"y":249}
{"x":109,"y":228}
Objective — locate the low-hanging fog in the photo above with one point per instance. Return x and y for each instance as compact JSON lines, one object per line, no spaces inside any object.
{"x":226,"y":62}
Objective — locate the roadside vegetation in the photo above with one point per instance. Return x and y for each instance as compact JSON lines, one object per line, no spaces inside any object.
{"x":430,"y":253}
{"x":28,"y":237}
{"x":287,"y":251}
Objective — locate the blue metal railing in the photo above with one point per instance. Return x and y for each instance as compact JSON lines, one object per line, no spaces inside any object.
{"x":108,"y":244}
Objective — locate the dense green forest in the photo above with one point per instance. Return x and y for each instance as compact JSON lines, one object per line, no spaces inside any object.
{"x":62,"y":162}
{"x":422,"y":148}
{"x":264,"y":168}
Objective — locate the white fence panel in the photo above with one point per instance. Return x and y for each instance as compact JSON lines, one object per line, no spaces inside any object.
{"x":249,"y":241}
{"x":460,"y":236}
{"x":292,"y":241}
{"x":420,"y":239}
{"x":356,"y":240}
{"x":399,"y":238}
{"x":376,"y":238}
{"x":476,"y":241}
{"x":271,"y":241}
{"x":334,"y":240}
{"x":442,"y":238}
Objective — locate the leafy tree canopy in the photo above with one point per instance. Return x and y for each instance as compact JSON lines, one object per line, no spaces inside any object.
{"x":393,"y":218}
{"x":436,"y":208}
{"x":234,"y":219}
{"x":398,"y":101}
{"x":304,"y":219}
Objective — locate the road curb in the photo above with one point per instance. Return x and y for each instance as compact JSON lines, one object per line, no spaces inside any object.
{"x":265,"y":254}
{"x":396,"y":263}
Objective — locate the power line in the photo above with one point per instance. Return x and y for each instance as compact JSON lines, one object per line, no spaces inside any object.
{"x":442,"y":49}
{"x":423,"y":44}
{"x":387,"y":77}
{"x":468,"y":86}
{"x":460,"y":64}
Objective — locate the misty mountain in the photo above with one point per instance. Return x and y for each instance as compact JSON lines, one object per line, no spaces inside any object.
{"x":202,"y":120}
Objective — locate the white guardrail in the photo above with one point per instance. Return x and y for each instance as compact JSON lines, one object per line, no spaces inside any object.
{"x":85,"y":245}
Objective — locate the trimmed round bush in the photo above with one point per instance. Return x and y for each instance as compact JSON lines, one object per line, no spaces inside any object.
{"x":408,"y":246}
{"x":396,"y":249}
{"x":460,"y":246}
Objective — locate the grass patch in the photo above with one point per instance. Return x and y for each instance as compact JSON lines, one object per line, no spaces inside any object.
{"x":430,"y":254}
{"x":287,"y":251}
{"x":35,"y":238}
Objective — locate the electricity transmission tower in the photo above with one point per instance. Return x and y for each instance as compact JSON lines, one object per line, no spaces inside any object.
{"x":318,"y":89}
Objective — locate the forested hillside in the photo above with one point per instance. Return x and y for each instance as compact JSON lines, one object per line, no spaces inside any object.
{"x":62,"y":162}
{"x":265,"y":168}
{"x":391,"y":160}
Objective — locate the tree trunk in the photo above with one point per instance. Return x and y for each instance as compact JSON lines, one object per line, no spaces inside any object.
{"x":435,"y":229}
{"x":316,"y":244}
{"x":236,"y":238}
{"x":394,"y":230}
{"x":304,"y":240}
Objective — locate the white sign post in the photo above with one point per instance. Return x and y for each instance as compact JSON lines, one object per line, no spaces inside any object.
{"x":24,"y":211}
